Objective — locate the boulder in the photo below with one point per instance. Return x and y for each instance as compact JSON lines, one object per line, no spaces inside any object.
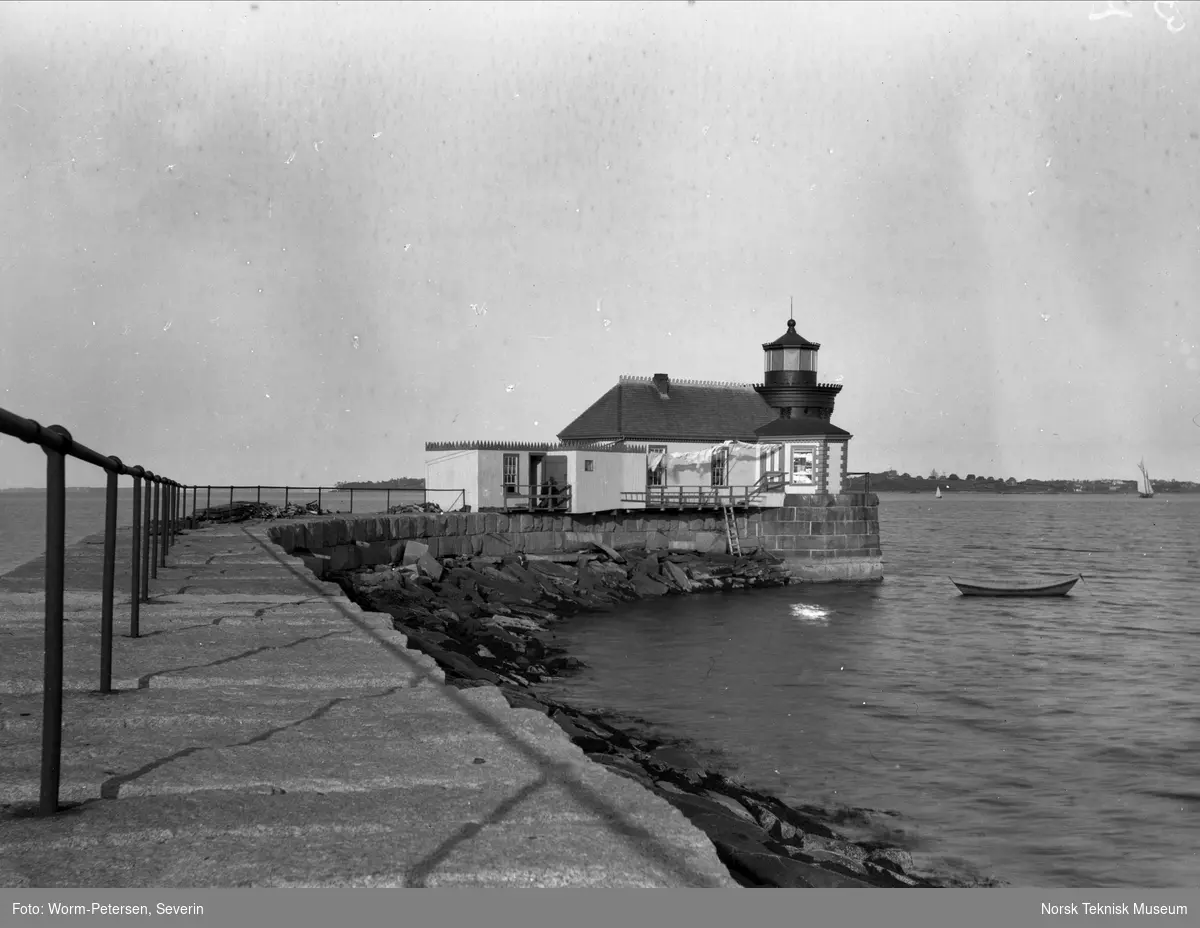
{"x":678,"y":575}
{"x":429,"y":566}
{"x":585,"y":739}
{"x":644,"y":586}
{"x":608,"y":552}
{"x":834,"y":846}
{"x":731,"y":804}
{"x":892,"y":858}
{"x":413,"y":552}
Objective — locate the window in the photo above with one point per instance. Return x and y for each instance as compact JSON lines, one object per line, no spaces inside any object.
{"x":510,"y":473}
{"x":803,"y":469}
{"x":589,"y":464}
{"x":720,"y":467}
{"x":656,"y":466}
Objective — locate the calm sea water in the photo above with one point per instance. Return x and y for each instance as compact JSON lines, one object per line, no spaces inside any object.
{"x":23,"y":512}
{"x":23,"y":520}
{"x":1051,"y":742}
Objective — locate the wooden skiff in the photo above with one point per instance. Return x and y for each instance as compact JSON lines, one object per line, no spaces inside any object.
{"x":1038,"y":586}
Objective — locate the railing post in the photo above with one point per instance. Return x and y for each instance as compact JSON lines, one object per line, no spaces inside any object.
{"x":110,"y":566}
{"x":147,"y":514}
{"x":231,"y":500}
{"x":208,"y":500}
{"x":162,"y":522}
{"x":135,"y":561}
{"x":166,"y":520}
{"x":258,"y":494}
{"x":387,"y":506}
{"x":169,"y":522}
{"x":193,"y":522}
{"x":352,"y":499}
{"x":318,"y":500}
{"x":285,"y":497}
{"x":56,"y":523}
{"x":153,"y":532}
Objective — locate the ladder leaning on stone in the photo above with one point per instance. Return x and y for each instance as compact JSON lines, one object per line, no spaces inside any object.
{"x":735,"y":544}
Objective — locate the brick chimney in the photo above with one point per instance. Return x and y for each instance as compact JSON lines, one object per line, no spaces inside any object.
{"x":663,"y":383}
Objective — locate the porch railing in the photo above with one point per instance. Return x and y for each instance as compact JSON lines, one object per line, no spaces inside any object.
{"x":696,"y":497}
{"x":153,"y":531}
{"x":701,"y":497}
{"x":536,"y":496}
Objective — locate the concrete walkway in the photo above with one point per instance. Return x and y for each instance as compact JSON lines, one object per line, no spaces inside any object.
{"x":268,"y":732}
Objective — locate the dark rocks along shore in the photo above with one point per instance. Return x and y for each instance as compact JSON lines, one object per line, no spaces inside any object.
{"x":240,"y":511}
{"x":486,"y":621}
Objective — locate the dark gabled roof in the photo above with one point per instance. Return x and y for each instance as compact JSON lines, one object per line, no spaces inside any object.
{"x":801,"y":427}
{"x":791,"y":339}
{"x":535,"y":446}
{"x":634,"y":410}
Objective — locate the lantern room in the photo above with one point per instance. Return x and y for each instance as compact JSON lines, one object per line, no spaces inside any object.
{"x":790,"y":386}
{"x":790,"y":360}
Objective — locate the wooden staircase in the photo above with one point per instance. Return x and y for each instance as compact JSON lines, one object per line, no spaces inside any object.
{"x":731,"y":532}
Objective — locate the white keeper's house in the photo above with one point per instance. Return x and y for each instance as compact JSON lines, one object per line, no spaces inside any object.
{"x":655,"y":443}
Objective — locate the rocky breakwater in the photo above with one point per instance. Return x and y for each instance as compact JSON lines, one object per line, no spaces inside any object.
{"x":488,"y":621}
{"x":241,"y":511}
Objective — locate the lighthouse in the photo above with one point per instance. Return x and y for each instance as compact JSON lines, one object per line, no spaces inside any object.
{"x":812,"y":451}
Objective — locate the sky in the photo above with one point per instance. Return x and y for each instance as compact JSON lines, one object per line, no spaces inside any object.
{"x":289,"y":243}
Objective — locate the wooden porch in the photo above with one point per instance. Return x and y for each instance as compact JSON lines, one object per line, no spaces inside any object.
{"x":698,"y":497}
{"x":545,"y":497}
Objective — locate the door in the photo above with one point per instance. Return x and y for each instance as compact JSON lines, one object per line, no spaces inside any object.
{"x":536,"y":479}
{"x":557,"y":492}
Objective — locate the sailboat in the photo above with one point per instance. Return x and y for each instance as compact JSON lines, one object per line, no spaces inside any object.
{"x":938,"y":494}
{"x":1147,"y":490}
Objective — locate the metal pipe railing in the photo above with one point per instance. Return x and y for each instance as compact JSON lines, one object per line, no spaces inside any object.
{"x":58,"y":445}
{"x":866,"y":475}
{"x":458,"y":500}
{"x":156,"y":509}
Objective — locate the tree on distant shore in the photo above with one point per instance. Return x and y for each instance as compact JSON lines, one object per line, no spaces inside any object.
{"x":396,"y":483}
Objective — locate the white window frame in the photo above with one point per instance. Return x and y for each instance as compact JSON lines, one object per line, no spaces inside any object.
{"x":511,"y":486}
{"x":720,"y":467}
{"x":794,"y":453}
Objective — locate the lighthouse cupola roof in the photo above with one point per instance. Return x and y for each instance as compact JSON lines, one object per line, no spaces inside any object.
{"x":791,"y":339}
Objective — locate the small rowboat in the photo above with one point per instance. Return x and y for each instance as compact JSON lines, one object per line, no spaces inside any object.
{"x":1048,"y":586}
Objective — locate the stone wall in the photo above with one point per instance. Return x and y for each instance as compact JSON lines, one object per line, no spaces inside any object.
{"x":819,"y":538}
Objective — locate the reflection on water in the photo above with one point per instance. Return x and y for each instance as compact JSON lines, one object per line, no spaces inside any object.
{"x":1049,"y":741}
{"x":809,"y":612}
